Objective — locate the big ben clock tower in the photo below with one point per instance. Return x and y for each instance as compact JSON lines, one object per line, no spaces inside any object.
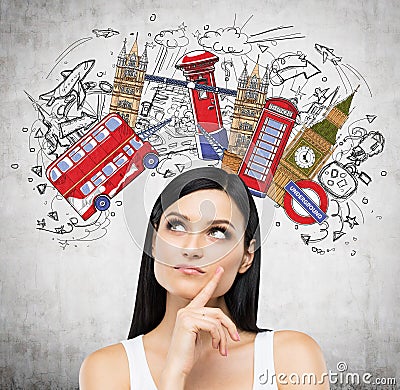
{"x":308,"y":152}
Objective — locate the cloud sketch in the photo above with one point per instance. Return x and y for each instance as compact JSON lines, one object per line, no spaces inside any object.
{"x":171,"y":39}
{"x":229,"y":40}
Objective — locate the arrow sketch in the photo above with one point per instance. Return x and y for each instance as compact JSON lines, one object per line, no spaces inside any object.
{"x":307,"y":237}
{"x":290,"y":66}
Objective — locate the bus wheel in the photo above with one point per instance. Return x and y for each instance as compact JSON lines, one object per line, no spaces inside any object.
{"x":150,"y":160}
{"x":102,"y":202}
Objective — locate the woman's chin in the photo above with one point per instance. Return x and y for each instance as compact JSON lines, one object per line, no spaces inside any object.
{"x":181,"y":295}
{"x":187,"y":289}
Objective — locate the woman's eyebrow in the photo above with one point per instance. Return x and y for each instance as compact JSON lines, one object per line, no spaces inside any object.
{"x":214,"y":222}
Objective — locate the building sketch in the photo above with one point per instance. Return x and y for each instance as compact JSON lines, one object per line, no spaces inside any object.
{"x":128,"y":83}
{"x":250,"y":100}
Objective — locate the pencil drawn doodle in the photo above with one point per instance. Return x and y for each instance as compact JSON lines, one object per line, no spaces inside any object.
{"x":228,"y":95}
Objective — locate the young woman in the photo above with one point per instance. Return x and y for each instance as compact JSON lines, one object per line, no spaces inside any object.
{"x":194,"y":322}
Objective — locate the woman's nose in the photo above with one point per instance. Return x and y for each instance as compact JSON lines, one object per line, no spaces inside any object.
{"x":192,"y":246}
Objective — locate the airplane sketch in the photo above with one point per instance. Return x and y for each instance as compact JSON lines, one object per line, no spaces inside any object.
{"x":107,"y":33}
{"x":327,"y":54}
{"x":72,"y":82}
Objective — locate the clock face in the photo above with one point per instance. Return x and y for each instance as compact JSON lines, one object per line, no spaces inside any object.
{"x":304,"y":157}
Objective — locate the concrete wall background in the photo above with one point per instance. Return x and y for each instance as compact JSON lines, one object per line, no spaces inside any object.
{"x":58,"y":306}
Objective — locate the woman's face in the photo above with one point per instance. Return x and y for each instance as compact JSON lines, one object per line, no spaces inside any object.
{"x":204,"y":229}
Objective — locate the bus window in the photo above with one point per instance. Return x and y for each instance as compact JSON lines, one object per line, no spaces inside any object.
{"x":77,"y":154}
{"x":98,"y":178}
{"x":87,"y":188}
{"x":88,"y":144}
{"x":113,"y":123}
{"x":109,"y":169}
{"x":120,"y":160}
{"x":55,"y":174}
{"x":65,"y":164}
{"x":128,"y":150}
{"x":100,"y":134}
{"x":136,"y":144}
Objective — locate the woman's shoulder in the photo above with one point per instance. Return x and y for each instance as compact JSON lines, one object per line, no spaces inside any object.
{"x":297,"y":343}
{"x":105,"y":368}
{"x":294,"y":339}
{"x":298,"y":353}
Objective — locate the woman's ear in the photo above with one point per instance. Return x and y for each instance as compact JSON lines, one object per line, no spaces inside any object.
{"x":248,"y":257}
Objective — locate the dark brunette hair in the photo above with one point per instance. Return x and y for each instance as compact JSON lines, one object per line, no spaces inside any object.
{"x":242,"y":298}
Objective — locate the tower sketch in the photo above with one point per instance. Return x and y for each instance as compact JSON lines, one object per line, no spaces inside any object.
{"x":250,"y":100}
{"x":128,"y":83}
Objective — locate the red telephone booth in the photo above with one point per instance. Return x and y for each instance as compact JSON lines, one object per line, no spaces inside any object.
{"x":198,"y":68}
{"x":267,"y":145}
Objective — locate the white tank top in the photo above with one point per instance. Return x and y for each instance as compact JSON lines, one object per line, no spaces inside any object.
{"x":263,"y":376}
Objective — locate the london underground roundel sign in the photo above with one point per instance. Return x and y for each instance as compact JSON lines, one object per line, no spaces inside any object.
{"x":295,"y":193}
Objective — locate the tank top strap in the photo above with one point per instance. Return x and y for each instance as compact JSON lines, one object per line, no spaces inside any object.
{"x":139,"y":372}
{"x":264,"y":369}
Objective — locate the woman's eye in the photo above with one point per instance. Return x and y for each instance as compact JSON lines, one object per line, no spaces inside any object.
{"x":176,"y":226}
{"x":219,"y":233}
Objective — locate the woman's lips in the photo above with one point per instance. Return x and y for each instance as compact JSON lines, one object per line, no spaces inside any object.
{"x":189,"y":270}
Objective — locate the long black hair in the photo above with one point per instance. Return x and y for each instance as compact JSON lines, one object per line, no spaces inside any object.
{"x":242,"y":298}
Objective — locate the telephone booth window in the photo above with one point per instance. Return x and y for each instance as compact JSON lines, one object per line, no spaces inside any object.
{"x":265,"y":149}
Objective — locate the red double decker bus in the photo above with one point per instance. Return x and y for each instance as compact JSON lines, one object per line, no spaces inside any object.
{"x":99,"y":165}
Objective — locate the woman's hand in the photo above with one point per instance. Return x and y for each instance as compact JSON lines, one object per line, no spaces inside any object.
{"x":185,"y":345}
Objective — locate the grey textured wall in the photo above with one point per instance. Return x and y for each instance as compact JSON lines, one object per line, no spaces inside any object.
{"x":58,"y":305}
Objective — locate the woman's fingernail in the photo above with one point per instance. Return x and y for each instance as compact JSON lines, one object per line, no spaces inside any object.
{"x":219,"y":270}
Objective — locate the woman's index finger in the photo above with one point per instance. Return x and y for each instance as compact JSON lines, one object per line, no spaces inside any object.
{"x":205,"y":294}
